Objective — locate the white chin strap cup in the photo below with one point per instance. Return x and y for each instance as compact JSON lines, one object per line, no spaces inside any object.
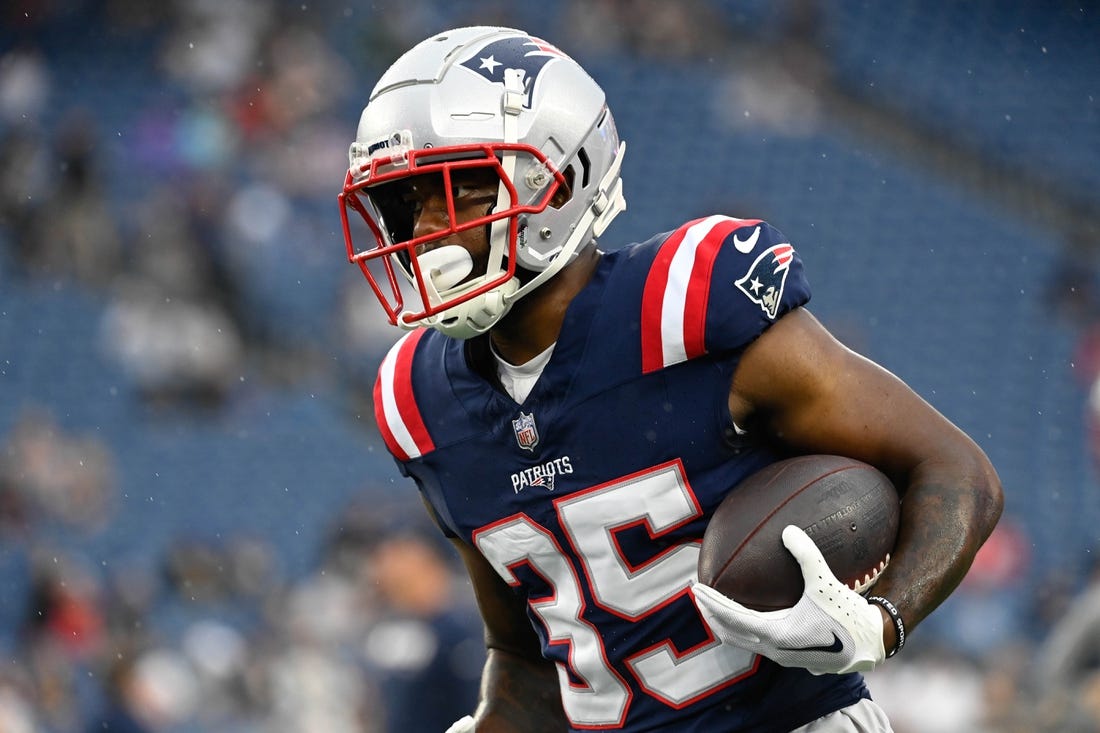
{"x":445,"y":268}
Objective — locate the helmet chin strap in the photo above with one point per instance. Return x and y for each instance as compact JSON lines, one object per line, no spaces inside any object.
{"x":511,"y":105}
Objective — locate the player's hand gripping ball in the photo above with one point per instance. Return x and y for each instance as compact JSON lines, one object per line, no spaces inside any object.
{"x":848,"y":508}
{"x":785,"y":556}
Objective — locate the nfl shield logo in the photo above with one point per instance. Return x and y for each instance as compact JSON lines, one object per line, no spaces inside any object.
{"x":527,"y":435}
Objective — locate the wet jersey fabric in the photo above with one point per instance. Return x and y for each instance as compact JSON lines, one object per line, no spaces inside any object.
{"x":591,"y":497}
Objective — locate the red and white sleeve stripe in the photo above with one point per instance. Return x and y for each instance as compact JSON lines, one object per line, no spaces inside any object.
{"x":395,"y":408}
{"x":674,"y":302}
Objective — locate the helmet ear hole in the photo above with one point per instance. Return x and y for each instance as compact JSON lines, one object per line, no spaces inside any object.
{"x":586,"y":167}
{"x":564,"y":194}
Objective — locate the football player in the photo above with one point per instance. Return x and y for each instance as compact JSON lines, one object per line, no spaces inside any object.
{"x":572,"y":414}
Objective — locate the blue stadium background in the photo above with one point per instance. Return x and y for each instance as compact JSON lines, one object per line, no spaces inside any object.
{"x":937,"y":167}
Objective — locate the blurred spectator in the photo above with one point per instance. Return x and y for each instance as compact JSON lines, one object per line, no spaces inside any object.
{"x":62,"y":635}
{"x":26,"y":170}
{"x":196,"y":571}
{"x":647,"y":28}
{"x":151,"y":692}
{"x":219,"y":654}
{"x":775,"y":84}
{"x":305,"y":78}
{"x":311,"y":678}
{"x":1068,"y":660}
{"x":47,"y":474}
{"x":212,"y":43}
{"x":16,"y":714}
{"x":131,"y":588}
{"x":73,"y":232}
{"x":17,"y":702}
{"x":242,"y":570}
{"x":177,"y":353}
{"x":122,"y":706}
{"x":313,"y":691}
{"x":1007,"y":692}
{"x":934,"y":691}
{"x":25,"y":86}
{"x":1088,"y":708}
{"x":427,"y":644}
{"x":25,"y":177}
{"x":65,"y":606}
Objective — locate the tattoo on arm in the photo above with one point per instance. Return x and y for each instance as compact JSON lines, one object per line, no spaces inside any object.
{"x":946,"y":525}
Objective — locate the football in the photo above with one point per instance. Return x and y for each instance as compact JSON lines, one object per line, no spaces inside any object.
{"x":848,"y":508}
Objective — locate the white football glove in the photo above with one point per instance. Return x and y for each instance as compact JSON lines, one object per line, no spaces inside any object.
{"x":832,"y":629}
{"x":463,"y":725}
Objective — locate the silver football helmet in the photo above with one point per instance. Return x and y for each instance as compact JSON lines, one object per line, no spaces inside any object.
{"x":499,"y":100}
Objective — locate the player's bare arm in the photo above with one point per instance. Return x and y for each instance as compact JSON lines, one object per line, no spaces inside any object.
{"x":816,"y":396}
{"x":519,"y":689}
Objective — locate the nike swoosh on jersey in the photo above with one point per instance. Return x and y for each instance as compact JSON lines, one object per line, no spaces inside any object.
{"x":746,"y":245}
{"x":836,"y":646}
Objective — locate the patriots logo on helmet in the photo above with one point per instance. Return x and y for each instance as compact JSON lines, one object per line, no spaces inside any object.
{"x":527,"y":54}
{"x":766,"y":278}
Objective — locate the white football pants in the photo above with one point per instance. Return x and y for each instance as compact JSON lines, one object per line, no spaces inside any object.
{"x":862,"y":717}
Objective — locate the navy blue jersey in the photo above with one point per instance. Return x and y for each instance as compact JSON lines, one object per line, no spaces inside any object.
{"x":591,"y":497}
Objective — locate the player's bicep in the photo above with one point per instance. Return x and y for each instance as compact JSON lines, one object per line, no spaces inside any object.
{"x":817,"y":396}
{"x":504,"y":612}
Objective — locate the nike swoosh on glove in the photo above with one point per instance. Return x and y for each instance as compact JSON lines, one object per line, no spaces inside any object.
{"x":831,"y":630}
{"x":465,"y":724}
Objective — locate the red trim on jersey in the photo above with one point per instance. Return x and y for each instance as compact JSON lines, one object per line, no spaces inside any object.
{"x":406,"y":400}
{"x":408,"y":412}
{"x":698,"y":291}
{"x":653,"y":300}
{"x":383,"y":427}
{"x":695,"y":298}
